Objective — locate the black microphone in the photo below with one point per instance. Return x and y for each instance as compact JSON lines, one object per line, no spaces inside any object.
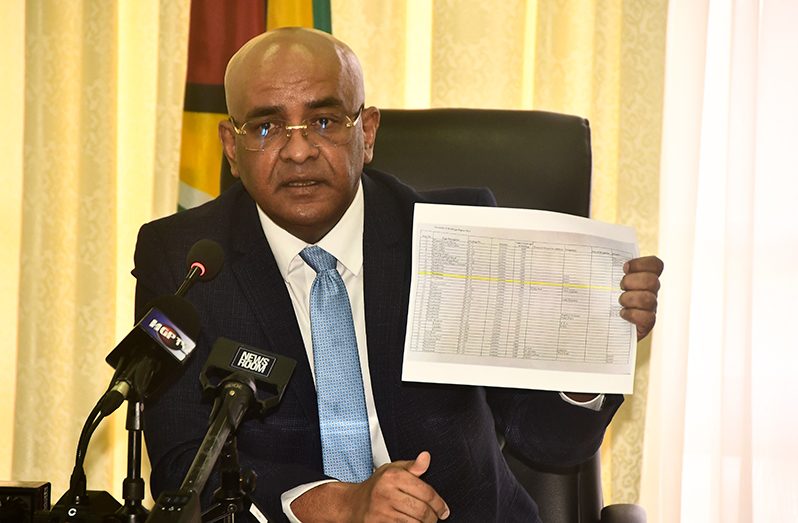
{"x":159,"y":344}
{"x":241,"y":379}
{"x":143,"y":366}
{"x":203,"y":262}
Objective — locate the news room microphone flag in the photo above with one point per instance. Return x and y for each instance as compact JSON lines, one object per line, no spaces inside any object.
{"x":216,"y":31}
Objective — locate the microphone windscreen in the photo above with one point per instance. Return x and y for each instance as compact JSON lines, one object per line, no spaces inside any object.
{"x":182,"y":313}
{"x":160,"y":343}
{"x":208,"y":255}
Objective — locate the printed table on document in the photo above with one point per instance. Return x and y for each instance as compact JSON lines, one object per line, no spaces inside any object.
{"x":534,"y":300}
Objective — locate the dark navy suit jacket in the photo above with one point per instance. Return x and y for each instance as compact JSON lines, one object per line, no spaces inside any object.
{"x":248,"y":302}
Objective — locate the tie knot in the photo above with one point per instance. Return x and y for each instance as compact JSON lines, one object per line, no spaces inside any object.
{"x":318,"y":259}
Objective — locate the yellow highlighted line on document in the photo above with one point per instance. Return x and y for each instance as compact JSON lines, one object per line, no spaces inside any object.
{"x":522,"y":282}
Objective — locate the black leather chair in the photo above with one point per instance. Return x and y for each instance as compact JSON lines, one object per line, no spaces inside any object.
{"x":529,"y":159}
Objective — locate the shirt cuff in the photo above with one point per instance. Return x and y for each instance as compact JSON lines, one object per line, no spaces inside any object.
{"x":288,"y":497}
{"x":594,"y":404}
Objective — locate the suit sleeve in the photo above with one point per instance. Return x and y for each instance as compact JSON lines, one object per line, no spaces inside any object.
{"x":544,"y":429}
{"x":176,"y":420}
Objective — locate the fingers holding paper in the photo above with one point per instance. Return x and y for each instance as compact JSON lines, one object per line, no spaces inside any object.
{"x":639,"y":300}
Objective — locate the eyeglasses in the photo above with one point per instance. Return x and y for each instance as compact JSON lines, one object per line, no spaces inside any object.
{"x":329,"y":128}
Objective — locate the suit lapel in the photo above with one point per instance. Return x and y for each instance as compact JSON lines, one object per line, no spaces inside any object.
{"x":263,"y":287}
{"x":386,"y":251}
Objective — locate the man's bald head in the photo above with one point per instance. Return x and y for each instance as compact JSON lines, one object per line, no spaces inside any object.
{"x":287,"y":48}
{"x":299,"y":132}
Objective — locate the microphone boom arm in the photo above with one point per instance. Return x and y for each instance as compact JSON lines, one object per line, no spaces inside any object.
{"x":228,"y":410}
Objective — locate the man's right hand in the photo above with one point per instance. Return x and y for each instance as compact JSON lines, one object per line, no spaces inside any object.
{"x":394,"y":492}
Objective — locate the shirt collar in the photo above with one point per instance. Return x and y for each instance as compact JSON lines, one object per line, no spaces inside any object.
{"x":344,"y":241}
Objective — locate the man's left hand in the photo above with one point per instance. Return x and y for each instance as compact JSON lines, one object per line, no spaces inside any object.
{"x":639,"y":299}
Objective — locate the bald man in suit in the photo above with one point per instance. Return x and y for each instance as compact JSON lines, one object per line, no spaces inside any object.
{"x":298,"y":137}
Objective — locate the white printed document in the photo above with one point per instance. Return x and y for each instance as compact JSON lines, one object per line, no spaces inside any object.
{"x":518,"y":298}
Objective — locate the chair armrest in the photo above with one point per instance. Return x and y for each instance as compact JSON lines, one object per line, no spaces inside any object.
{"x":623,"y":513}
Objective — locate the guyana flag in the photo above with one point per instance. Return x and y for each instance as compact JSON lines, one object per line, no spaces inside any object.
{"x":217,"y":29}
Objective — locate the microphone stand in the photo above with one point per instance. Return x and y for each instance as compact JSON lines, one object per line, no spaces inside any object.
{"x":133,"y":485}
{"x":234,"y":399}
{"x":229,"y":408}
{"x":232,"y":497}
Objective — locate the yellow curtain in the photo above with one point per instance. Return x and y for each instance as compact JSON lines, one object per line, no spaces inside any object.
{"x":599,"y":59}
{"x":12,"y":54}
{"x":100,"y":110}
{"x":93,"y":152}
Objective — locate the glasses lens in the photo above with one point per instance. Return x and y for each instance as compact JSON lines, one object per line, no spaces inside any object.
{"x":336,"y":129}
{"x":260,"y":133}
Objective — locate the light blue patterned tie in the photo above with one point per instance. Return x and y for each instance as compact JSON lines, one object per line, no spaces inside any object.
{"x":345,"y":439}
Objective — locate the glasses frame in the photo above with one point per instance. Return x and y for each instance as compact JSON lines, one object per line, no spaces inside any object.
{"x":304,"y":127}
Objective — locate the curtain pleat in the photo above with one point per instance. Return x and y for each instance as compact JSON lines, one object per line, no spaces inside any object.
{"x":97,"y":110}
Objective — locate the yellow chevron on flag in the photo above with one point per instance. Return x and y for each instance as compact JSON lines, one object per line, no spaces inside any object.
{"x":287,"y":13}
{"x":200,"y":158}
{"x":299,"y":13}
